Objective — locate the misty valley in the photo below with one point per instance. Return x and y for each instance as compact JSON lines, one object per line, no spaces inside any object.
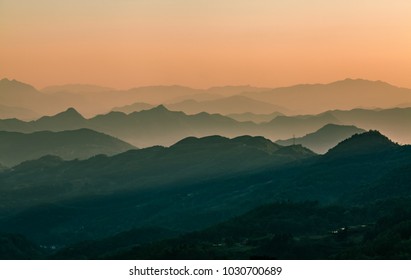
{"x":304,"y":172}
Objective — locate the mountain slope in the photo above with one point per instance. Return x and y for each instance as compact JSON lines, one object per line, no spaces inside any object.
{"x":17,"y":147}
{"x":157,"y":126}
{"x":160,"y":126}
{"x":394,"y":122}
{"x":135,"y":107}
{"x":256,"y":118}
{"x":7,"y":112}
{"x":17,"y":94}
{"x":365,"y":143}
{"x":69,"y":119}
{"x":76,"y":89}
{"x":17,"y":247}
{"x":286,"y":127}
{"x":343,"y":95}
{"x":147,"y":187}
{"x":196,"y":183}
{"x":325,"y":138}
{"x":285,"y":230}
{"x":227,"y":105}
{"x":235,"y":90}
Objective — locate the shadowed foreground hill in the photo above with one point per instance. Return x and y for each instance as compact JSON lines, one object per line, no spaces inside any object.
{"x":181,"y":187}
{"x":17,"y":147}
{"x":17,"y":247}
{"x":374,"y":224}
{"x":198,"y":183}
{"x":283,"y":231}
{"x":364,"y":143}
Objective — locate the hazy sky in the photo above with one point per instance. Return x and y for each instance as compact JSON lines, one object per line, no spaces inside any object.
{"x":200,"y":43}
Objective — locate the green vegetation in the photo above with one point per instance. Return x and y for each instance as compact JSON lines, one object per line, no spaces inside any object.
{"x":215,"y":197}
{"x":17,"y":147}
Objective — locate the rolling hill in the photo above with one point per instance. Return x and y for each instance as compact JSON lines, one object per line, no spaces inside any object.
{"x":21,"y":95}
{"x":160,"y":126}
{"x":104,"y":195}
{"x":16,"y":147}
{"x":256,"y":118}
{"x":228,"y":105}
{"x":343,"y":95}
{"x":135,"y":107}
{"x":299,"y":99}
{"x":157,"y":126}
{"x":7,"y":112}
{"x":205,"y":181}
{"x":323,"y":139}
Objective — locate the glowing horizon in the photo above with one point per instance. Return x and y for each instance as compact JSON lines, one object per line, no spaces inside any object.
{"x":123,"y":44}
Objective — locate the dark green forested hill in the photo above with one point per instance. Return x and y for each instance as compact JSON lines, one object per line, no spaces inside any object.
{"x":17,"y":247}
{"x":182,"y":187}
{"x":17,"y":147}
{"x":282,"y":230}
{"x":198,"y":184}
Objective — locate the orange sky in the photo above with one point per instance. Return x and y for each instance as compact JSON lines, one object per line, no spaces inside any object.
{"x":202,"y":43}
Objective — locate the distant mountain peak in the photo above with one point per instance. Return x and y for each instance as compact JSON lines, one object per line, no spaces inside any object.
{"x":71,"y":112}
{"x":359,"y":82}
{"x":160,"y":107}
{"x":8,"y":84}
{"x":365,"y":143}
{"x":331,"y":127}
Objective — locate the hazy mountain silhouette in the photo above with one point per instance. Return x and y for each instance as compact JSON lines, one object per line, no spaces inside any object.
{"x":224,"y":106}
{"x":17,"y":94}
{"x":404,"y":105}
{"x":343,"y":95}
{"x":286,"y":127}
{"x":157,"y":126}
{"x":256,"y":118}
{"x":17,"y":147}
{"x":69,"y":119}
{"x":7,"y":112}
{"x":160,"y":126}
{"x":203,"y":96}
{"x":235,"y":90}
{"x":89,"y":99}
{"x":395,"y":123}
{"x":300,"y":99}
{"x":135,"y":107}
{"x":227,"y":105}
{"x":76,"y":89}
{"x":325,"y":138}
